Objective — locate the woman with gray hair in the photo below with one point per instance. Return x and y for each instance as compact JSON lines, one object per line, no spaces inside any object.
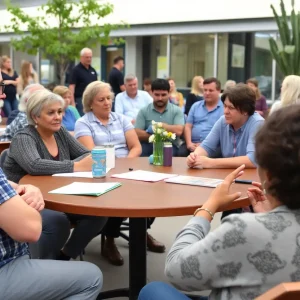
{"x":19,"y":116}
{"x":101,"y":126}
{"x":44,"y":147}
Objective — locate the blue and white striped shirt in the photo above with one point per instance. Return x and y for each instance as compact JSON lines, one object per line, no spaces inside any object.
{"x":113,"y":133}
{"x":9,"y":248}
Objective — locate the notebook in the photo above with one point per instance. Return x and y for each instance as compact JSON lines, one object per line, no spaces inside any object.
{"x":192,"y":180}
{"x":86,"y":188}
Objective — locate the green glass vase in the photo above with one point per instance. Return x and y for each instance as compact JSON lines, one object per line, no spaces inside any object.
{"x":158,"y":153}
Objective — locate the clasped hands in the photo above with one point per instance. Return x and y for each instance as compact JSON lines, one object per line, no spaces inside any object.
{"x":198,"y":161}
{"x":221,"y":196}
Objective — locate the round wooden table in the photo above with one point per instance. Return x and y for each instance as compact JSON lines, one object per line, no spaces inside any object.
{"x":138,"y":200}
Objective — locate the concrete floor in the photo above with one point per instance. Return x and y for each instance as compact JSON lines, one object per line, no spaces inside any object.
{"x":117,"y":277}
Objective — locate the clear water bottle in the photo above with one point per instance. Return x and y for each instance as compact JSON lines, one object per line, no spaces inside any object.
{"x":168,"y":154}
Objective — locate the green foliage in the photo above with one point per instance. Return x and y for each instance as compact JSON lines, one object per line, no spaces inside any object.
{"x":288,"y":55}
{"x":61,"y":28}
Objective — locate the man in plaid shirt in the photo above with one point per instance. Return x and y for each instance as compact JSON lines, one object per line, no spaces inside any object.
{"x":33,"y":279}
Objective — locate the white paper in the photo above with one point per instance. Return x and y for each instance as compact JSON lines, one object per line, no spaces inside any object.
{"x":85,"y":188}
{"x":78,"y":174}
{"x":144,"y":175}
{"x":193,"y":180}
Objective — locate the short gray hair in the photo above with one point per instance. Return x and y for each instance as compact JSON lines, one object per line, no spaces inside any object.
{"x":38,"y":100}
{"x":91,"y":92}
{"x":29,"y":89}
{"x":84,"y":50}
{"x":129,"y":77}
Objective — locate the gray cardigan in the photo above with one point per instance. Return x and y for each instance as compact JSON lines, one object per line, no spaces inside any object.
{"x":241,"y":259}
{"x":29,"y":155}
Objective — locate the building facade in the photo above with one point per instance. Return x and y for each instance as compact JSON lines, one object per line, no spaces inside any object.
{"x":226,"y":39}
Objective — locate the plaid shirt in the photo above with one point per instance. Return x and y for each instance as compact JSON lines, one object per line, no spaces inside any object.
{"x":17,"y":124}
{"x":9,"y":249}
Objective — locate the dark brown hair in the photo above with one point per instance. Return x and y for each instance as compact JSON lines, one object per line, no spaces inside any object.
{"x":117,"y":59}
{"x":211,"y":80}
{"x":254,"y":81}
{"x":147,"y":81}
{"x":242,"y":97}
{"x":278,"y":153}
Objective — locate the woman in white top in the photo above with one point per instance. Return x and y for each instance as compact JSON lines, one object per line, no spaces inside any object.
{"x":290,"y":92}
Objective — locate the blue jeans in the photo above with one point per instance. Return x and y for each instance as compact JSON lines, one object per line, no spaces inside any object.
{"x":163,"y":291}
{"x":79,"y":105}
{"x":10,"y":105}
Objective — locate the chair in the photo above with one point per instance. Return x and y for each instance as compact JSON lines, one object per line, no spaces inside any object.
{"x":3,"y":156}
{"x":283,"y":291}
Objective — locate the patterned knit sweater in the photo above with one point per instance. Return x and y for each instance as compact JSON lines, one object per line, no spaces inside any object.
{"x":245,"y":256}
{"x":29,"y":155}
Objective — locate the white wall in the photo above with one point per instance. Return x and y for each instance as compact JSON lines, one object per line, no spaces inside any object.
{"x":167,"y":11}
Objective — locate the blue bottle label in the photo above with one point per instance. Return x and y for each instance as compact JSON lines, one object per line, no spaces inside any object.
{"x":99,"y":162}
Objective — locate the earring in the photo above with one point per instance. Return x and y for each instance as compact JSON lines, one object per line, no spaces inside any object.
{"x":264,"y":189}
{"x":36,"y":125}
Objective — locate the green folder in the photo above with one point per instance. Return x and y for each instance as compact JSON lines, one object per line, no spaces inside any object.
{"x":86,"y":188}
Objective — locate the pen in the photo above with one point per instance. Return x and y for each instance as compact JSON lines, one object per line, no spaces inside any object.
{"x":243,"y":181}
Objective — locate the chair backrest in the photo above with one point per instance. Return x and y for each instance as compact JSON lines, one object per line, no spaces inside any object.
{"x":283,"y":291}
{"x":3,"y":156}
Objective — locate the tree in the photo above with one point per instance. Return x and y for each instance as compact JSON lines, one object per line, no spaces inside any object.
{"x":287,"y":55}
{"x":61,"y":29}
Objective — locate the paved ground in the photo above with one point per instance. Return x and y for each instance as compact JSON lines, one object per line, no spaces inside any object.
{"x":163,"y":229}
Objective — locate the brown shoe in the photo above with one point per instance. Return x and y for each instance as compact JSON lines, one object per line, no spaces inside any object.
{"x":154,"y":246}
{"x":111,"y":252}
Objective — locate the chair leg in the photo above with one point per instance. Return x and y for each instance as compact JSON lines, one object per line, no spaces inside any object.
{"x":102,"y":242}
{"x":81,"y":256}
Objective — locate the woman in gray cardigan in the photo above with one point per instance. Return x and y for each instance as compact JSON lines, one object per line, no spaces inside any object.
{"x":44,"y":147}
{"x":248,"y":253}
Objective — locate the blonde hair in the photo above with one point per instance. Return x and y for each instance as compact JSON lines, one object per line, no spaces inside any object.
{"x":195,"y":86}
{"x":38,"y":100}
{"x":61,"y":90}
{"x":290,"y":91}
{"x":4,"y":58}
{"x":91,"y":92}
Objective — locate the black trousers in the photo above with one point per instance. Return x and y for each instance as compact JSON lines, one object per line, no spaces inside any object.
{"x":112,"y":227}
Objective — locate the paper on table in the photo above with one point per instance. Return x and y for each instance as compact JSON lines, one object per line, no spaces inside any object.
{"x":86,"y":188}
{"x":192,"y":180}
{"x":78,"y":174}
{"x":144,"y":176}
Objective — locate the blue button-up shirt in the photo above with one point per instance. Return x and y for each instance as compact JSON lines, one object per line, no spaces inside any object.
{"x":131,"y":106}
{"x":233,"y":143}
{"x":113,"y":133}
{"x":203,"y":120}
{"x":9,"y":248}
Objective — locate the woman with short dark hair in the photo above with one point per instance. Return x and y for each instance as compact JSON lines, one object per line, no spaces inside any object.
{"x":248,"y":253}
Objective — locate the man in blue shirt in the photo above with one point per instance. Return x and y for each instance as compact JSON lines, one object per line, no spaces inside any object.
{"x":130,"y":101}
{"x":233,"y":133}
{"x":202,"y":116}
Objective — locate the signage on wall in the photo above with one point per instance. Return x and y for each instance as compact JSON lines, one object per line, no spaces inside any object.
{"x":162,"y":67}
{"x":238,"y":56}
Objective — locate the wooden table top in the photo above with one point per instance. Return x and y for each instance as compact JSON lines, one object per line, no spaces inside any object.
{"x":138,"y":198}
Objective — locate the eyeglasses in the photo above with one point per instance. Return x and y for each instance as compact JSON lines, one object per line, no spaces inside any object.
{"x":2,"y":88}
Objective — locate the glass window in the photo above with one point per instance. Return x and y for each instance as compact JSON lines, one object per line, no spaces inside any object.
{"x":262,"y":67}
{"x":223,"y":58}
{"x":159,"y":59}
{"x":191,"y":55}
{"x":19,"y":57}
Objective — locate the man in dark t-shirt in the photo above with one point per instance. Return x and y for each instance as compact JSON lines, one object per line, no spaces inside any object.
{"x":116,"y":77}
{"x":82,"y":75}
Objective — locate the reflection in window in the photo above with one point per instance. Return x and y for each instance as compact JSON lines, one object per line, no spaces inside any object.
{"x":159,"y":60}
{"x":223,"y":58}
{"x":191,"y":55}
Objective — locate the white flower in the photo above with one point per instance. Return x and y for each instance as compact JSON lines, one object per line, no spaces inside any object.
{"x":154,"y":129}
{"x":159,"y":124}
{"x":158,"y":131}
{"x":153,"y":122}
{"x":165,"y":133}
{"x":173,"y":137}
{"x":151,"y":138}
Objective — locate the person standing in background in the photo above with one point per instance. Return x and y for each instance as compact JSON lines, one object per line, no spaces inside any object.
{"x":261,"y":105}
{"x":196,"y":93}
{"x":10,"y":79}
{"x":82,"y":75}
{"x":147,"y":86}
{"x":27,"y":76}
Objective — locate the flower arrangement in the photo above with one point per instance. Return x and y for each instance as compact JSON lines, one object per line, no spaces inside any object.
{"x":160,"y":134}
{"x":158,"y":137}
